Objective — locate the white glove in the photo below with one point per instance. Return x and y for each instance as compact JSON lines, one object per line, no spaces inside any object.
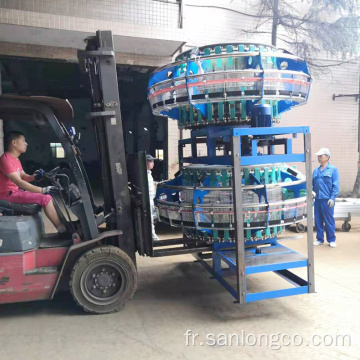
{"x":331,"y":203}
{"x":50,"y":190}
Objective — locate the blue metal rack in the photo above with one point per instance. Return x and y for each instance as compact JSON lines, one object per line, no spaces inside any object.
{"x":213,"y":132}
{"x":243,"y":261}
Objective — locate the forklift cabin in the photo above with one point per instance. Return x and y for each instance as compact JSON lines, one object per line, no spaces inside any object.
{"x":95,"y":261}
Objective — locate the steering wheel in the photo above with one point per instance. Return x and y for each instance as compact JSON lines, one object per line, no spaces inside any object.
{"x":52,"y":174}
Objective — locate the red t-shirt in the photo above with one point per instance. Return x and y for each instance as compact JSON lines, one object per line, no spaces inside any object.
{"x":8,"y":165}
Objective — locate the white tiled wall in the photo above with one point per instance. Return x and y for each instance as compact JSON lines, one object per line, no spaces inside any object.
{"x":144,"y":12}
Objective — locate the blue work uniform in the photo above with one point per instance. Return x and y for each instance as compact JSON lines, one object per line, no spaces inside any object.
{"x":326,"y":186}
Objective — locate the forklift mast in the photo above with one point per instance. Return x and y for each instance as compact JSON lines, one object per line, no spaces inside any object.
{"x":98,"y":62}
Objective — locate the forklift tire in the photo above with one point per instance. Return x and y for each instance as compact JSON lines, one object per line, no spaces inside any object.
{"x":300,"y":228}
{"x":103,"y":280}
{"x":346,"y":226}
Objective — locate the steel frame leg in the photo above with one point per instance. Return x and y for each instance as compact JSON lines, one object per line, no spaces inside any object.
{"x":309,"y":206}
{"x":239,"y":227}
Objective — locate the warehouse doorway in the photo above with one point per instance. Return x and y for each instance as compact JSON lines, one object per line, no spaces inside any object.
{"x":142,"y":130}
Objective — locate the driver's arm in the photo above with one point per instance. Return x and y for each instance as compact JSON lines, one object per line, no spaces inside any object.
{"x":22,"y":184}
{"x":24,"y":176}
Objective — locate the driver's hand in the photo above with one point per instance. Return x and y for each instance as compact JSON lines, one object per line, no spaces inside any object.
{"x":50,"y":190}
{"x":39,"y":174}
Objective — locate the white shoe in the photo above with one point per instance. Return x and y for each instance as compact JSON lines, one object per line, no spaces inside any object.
{"x":317,"y":243}
{"x":332,"y":244}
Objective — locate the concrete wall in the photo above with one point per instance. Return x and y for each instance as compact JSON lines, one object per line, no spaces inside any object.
{"x":63,"y":53}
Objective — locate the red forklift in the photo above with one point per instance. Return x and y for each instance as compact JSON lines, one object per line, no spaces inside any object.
{"x":97,"y":262}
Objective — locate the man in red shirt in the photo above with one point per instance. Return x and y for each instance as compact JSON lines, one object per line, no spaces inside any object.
{"x":15,"y":184}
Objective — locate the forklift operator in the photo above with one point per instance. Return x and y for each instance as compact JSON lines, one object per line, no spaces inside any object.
{"x":15,"y":184}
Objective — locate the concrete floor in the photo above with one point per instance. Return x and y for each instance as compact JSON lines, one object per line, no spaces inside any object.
{"x":175,"y":295}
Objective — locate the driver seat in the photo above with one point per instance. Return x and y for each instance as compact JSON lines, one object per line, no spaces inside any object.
{"x":19,"y":209}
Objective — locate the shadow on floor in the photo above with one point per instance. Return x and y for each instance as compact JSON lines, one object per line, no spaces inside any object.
{"x":62,"y":304}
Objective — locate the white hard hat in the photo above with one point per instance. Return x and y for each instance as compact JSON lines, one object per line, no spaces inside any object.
{"x":323,"y":151}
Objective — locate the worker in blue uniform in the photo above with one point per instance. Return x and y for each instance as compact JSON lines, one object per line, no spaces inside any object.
{"x":326,"y":187}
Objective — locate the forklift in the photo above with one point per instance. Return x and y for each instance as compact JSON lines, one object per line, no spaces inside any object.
{"x":97,"y":262}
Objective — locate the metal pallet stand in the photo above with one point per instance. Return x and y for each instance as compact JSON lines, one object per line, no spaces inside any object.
{"x":243,"y":261}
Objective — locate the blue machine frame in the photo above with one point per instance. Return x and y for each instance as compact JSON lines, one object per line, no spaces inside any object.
{"x":276,"y":258}
{"x":228,"y":95}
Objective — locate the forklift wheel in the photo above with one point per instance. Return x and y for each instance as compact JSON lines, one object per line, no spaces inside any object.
{"x":103,"y":280}
{"x":346,"y":226}
{"x":300,"y":228}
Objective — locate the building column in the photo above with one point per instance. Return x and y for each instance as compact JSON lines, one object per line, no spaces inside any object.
{"x":173,"y":138}
{"x":1,"y":124}
{"x":1,"y":138}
